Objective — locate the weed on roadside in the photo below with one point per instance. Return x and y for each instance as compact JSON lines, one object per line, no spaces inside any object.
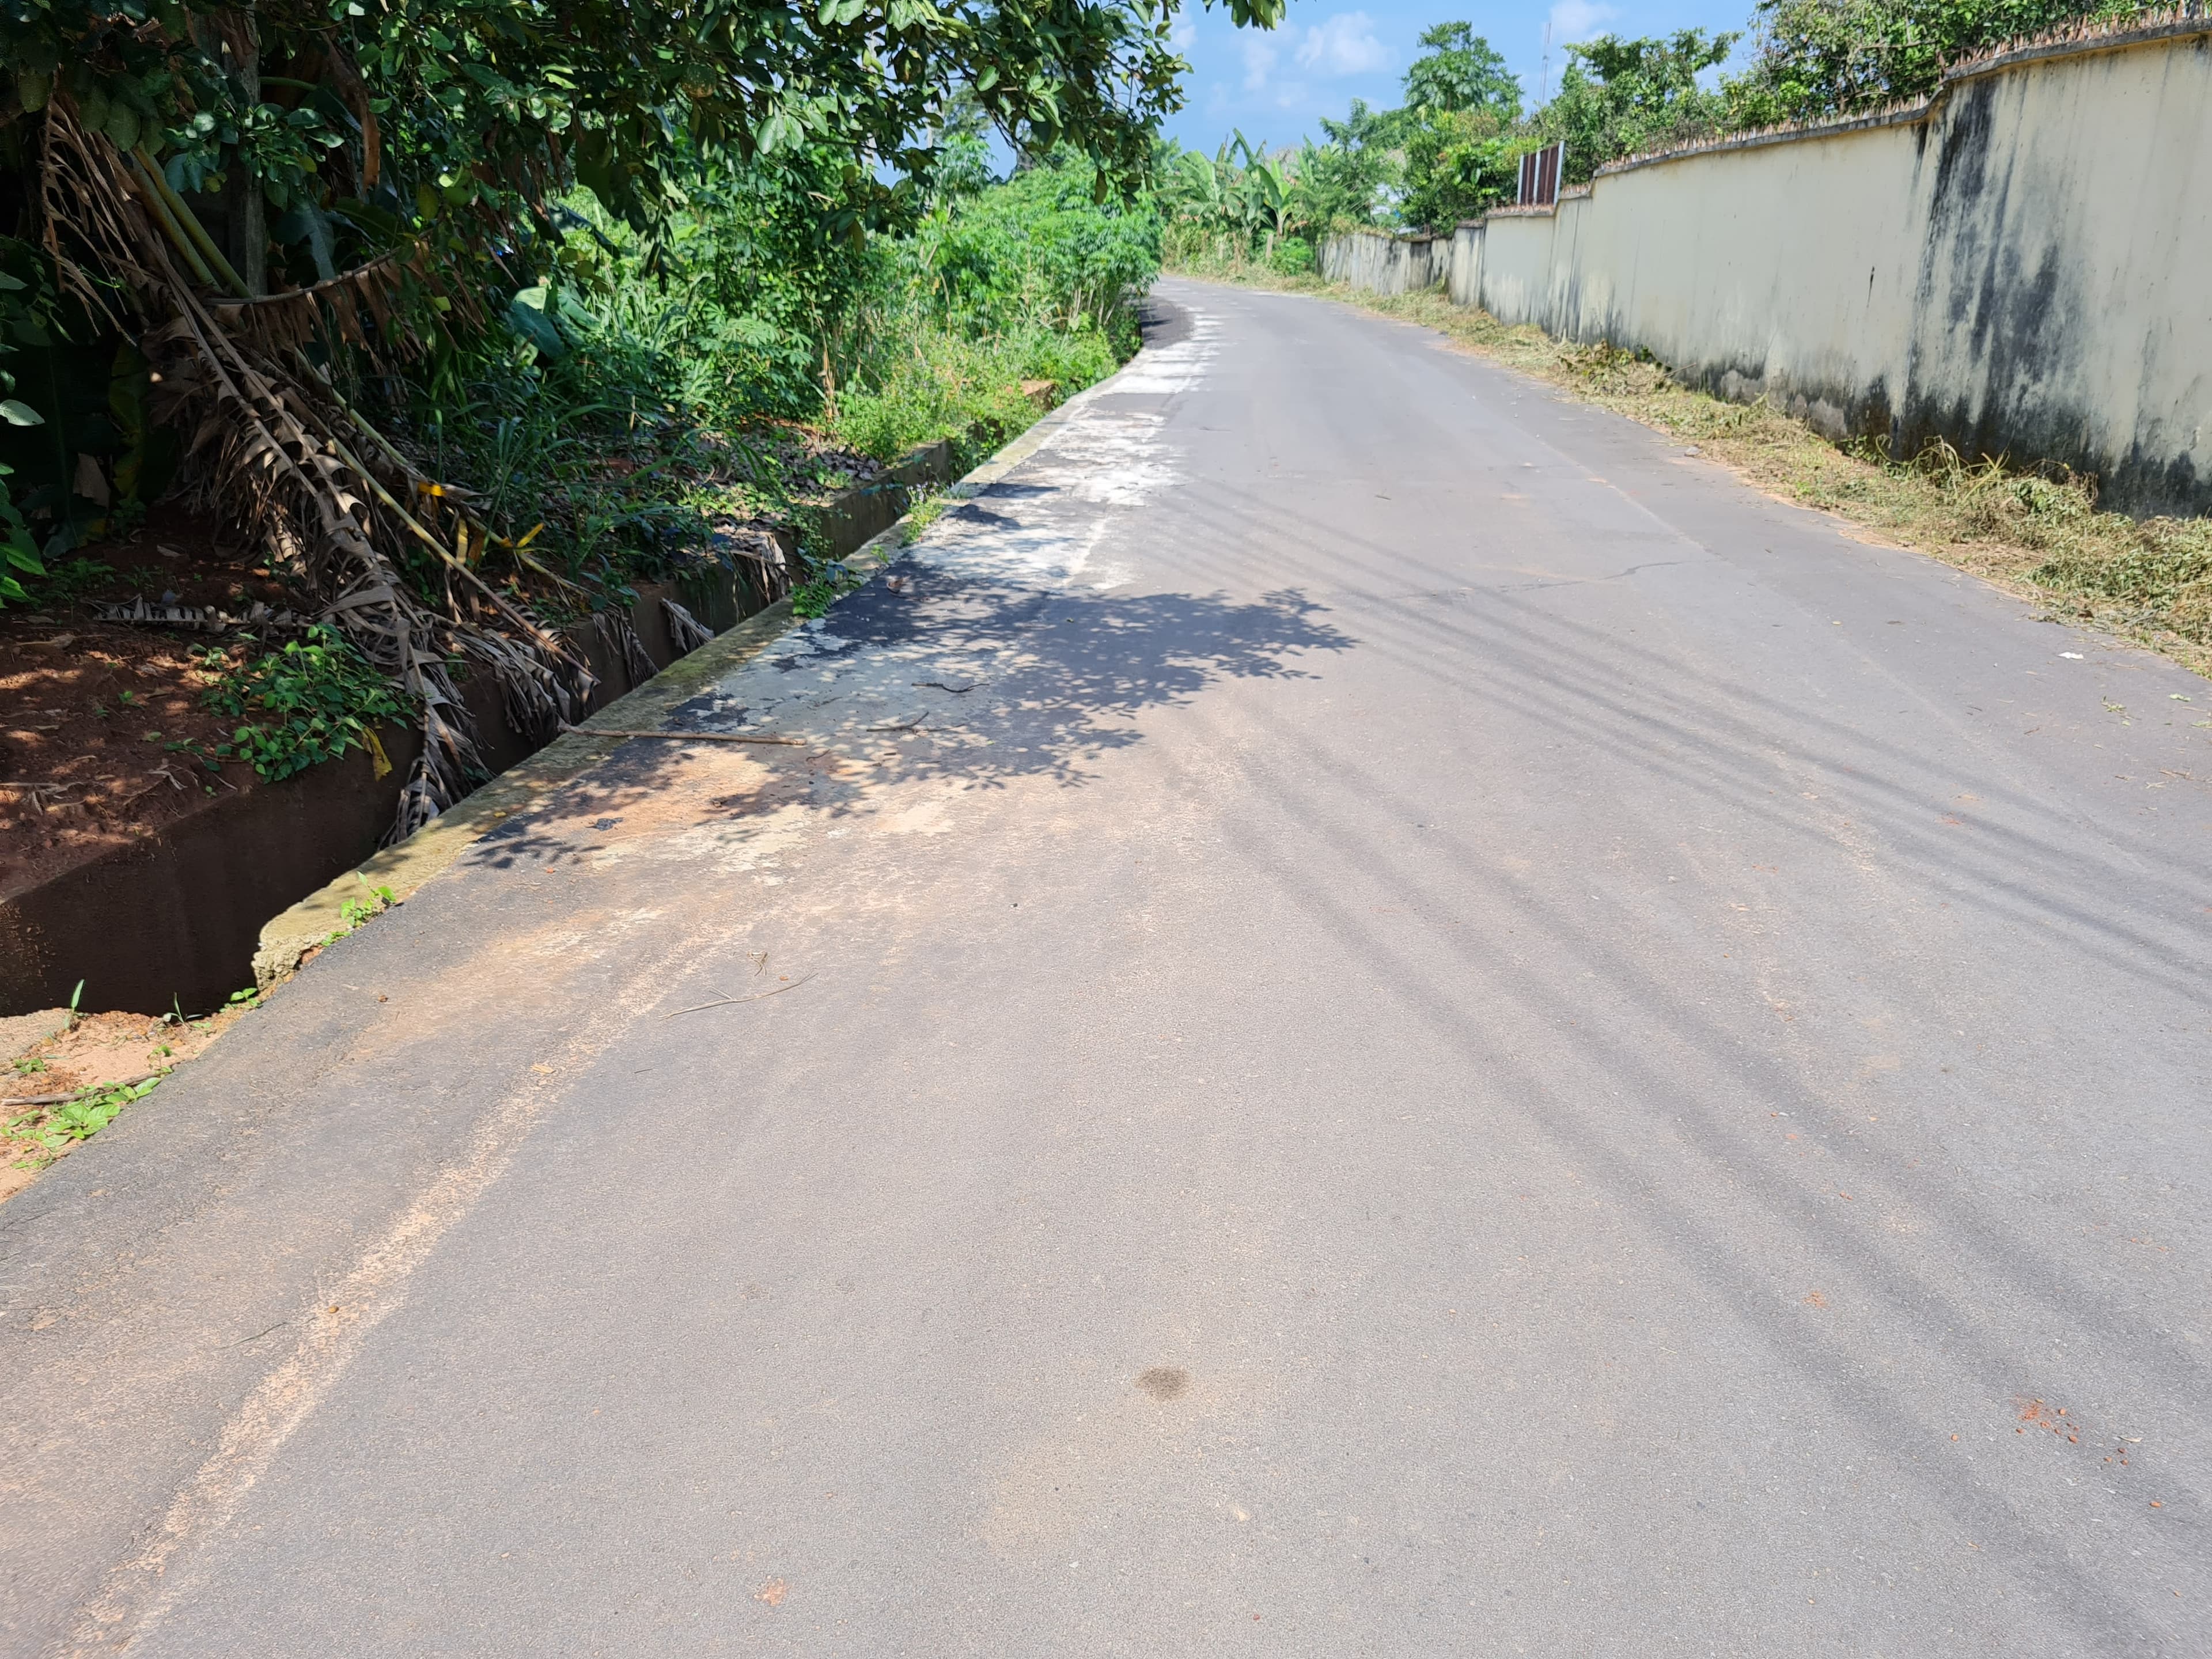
{"x":74,"y":1083}
{"x":814,"y":596}
{"x":52,"y":1129}
{"x":353,"y":913}
{"x":310,"y":700}
{"x":374,"y":901}
{"x":926,"y":510}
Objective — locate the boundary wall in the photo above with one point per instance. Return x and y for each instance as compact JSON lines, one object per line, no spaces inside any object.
{"x":1381,"y":264}
{"x":2020,"y":265}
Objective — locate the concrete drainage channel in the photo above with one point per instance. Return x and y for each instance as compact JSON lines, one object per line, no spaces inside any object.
{"x":401,"y":871}
{"x":178,"y":918}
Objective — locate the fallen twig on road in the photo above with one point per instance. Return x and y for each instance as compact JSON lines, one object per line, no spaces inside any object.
{"x":690,"y":737}
{"x":724,"y":1002}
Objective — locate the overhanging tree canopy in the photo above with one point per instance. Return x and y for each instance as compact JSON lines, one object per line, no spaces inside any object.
{"x":252,"y":190}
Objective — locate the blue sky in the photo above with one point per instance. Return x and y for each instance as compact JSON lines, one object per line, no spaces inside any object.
{"x":1276,"y":84}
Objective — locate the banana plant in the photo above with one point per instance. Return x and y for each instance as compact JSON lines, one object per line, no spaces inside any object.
{"x":1195,"y":188}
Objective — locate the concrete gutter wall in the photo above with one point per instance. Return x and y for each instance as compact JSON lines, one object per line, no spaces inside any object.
{"x":176,"y":920}
{"x":289,"y":937}
{"x":2018,"y":266}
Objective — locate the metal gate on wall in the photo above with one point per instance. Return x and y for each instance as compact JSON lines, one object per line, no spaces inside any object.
{"x":1540,"y":176}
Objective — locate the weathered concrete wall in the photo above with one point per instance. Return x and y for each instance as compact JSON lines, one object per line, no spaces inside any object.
{"x":1463,"y":281}
{"x":1515,"y":279}
{"x":2020,"y":266}
{"x":1378,"y":263}
{"x":2065,"y":280}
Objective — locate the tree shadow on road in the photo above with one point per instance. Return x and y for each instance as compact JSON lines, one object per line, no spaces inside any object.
{"x":926,"y":674}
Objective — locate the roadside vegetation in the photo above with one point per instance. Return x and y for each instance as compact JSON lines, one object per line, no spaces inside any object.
{"x":66,"y":1086}
{"x":439,"y":328}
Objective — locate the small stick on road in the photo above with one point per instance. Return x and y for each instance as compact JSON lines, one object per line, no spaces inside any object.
{"x":724,"y":1002}
{"x":690,"y":737}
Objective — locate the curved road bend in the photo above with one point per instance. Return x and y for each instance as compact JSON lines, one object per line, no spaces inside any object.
{"x":1403,"y":1022}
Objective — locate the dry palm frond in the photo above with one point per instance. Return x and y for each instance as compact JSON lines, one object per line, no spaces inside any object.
{"x":538,"y":702}
{"x":278,"y":447}
{"x":198,"y":619}
{"x":685,"y":630}
{"x":616,"y":634}
{"x":332,"y":309}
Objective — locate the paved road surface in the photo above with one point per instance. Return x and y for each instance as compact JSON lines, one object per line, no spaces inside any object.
{"x":1405,"y":1023}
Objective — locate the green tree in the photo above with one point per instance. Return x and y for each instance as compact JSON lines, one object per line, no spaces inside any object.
{"x":1375,"y":131}
{"x":1458,"y":71}
{"x":1458,"y":164}
{"x":375,"y":120}
{"x":1347,"y":180}
{"x":1620,"y":97}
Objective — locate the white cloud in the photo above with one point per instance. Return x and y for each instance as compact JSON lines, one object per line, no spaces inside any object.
{"x":1185,"y":33}
{"x":1342,"y":46}
{"x":1571,"y":20}
{"x":1346,"y":44}
{"x":1259,"y":58}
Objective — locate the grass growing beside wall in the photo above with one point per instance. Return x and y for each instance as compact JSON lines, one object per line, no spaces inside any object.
{"x":2149,"y":580}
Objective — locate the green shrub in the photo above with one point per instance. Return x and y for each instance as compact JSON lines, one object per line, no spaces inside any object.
{"x":310,"y":701}
{"x":1038,"y":250}
{"x":1030,"y":280}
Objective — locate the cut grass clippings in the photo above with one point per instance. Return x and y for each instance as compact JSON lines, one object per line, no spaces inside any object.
{"x":2036,"y":534}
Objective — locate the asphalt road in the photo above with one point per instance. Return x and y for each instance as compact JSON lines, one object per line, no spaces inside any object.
{"x":1376,"y":1016}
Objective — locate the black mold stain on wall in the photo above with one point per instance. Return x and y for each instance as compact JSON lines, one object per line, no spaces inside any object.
{"x":1993,"y":366}
{"x":1995,"y":363}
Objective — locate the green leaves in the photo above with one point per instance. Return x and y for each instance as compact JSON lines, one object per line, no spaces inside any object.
{"x":782,"y":131}
{"x":19,"y":326}
{"x":19,"y":556}
{"x":372,"y":903}
{"x":1620,"y":97}
{"x":310,"y":701}
{"x":1821,"y":57}
{"x":60,"y":1124}
{"x":1039,"y":250}
{"x":1460,"y":71}
{"x":1458,"y":164}
{"x":512,"y":99}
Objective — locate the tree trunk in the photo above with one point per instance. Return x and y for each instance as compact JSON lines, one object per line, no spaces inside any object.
{"x":253,"y":221}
